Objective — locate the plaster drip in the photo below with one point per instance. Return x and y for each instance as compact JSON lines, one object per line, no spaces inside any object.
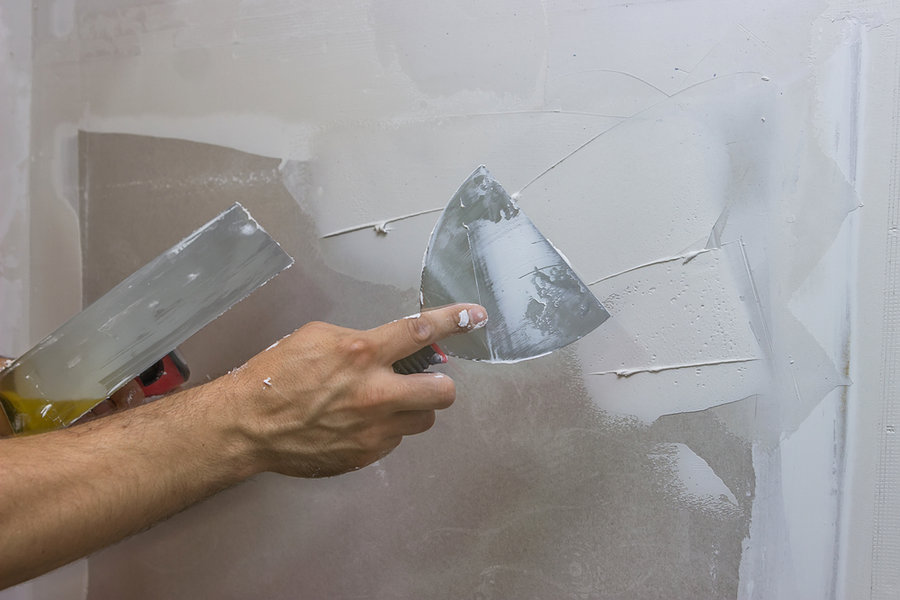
{"x":660,"y":368}
{"x":685,"y":258}
{"x":380,"y":227}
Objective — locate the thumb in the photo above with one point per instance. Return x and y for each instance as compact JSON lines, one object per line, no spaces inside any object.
{"x":403,"y":337}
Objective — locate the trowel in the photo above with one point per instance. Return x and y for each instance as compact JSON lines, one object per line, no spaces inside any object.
{"x":484,"y":249}
{"x":153,"y":310}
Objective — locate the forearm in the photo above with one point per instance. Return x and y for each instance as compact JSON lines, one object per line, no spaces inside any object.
{"x":68,"y":493}
{"x":321,"y":402}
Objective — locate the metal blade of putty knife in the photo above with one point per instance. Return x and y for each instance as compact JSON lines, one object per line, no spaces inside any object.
{"x":485,"y":249}
{"x":153,"y":310}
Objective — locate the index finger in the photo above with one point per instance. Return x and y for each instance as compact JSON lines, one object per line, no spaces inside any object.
{"x":403,"y":337}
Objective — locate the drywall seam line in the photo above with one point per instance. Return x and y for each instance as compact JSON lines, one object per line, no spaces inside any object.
{"x":660,"y":368}
{"x":379,"y":226}
{"x":885,"y":579}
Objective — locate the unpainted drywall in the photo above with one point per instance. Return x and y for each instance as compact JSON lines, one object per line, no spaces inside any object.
{"x":696,"y":162}
{"x":15,"y":122}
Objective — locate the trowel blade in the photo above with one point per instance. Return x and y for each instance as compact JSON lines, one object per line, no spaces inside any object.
{"x":484,"y":249}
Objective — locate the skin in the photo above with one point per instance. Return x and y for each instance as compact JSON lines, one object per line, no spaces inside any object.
{"x":332,"y":404}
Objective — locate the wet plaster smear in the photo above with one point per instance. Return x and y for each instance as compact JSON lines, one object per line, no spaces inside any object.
{"x":696,"y":163}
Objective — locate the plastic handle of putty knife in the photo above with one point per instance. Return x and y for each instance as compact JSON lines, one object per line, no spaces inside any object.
{"x":152,"y":311}
{"x":419,"y":361}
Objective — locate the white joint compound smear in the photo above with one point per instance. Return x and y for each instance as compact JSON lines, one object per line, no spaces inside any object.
{"x":689,"y":480}
{"x":684,"y":324}
{"x":463,"y":318}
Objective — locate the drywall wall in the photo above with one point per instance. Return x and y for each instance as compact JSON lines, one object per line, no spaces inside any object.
{"x":15,"y":163}
{"x":15,"y":122}
{"x":870,"y":519}
{"x":695,"y":161}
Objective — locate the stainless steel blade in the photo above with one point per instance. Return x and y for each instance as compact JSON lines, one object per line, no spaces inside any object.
{"x":140,"y":320}
{"x":485,"y":249}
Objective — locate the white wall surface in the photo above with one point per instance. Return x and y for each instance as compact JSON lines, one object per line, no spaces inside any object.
{"x":15,"y":160}
{"x":704,"y":163}
{"x":15,"y":122}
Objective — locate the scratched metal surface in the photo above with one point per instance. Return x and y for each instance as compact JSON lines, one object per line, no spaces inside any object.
{"x":485,"y":249}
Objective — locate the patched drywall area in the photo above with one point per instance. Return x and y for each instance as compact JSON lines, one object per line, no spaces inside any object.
{"x":695,"y":161}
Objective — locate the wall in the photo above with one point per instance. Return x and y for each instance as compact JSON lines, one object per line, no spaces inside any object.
{"x":697,"y":162}
{"x":15,"y":119}
{"x":15,"y":249}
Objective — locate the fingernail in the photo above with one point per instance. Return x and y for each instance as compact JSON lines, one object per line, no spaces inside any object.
{"x":477,"y":318}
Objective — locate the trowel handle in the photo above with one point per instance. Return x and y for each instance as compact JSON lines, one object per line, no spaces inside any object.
{"x":419,"y":361}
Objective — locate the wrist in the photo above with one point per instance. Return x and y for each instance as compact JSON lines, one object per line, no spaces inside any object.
{"x":225,"y":407}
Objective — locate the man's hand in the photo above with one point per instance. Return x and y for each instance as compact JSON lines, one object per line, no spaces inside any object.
{"x":325,"y":400}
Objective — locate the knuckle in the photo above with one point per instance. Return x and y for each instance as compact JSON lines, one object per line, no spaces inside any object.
{"x":419,"y":329}
{"x":359,"y":350}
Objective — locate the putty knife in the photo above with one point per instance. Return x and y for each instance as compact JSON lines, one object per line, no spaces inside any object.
{"x":484,"y":249}
{"x":129,"y":328}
